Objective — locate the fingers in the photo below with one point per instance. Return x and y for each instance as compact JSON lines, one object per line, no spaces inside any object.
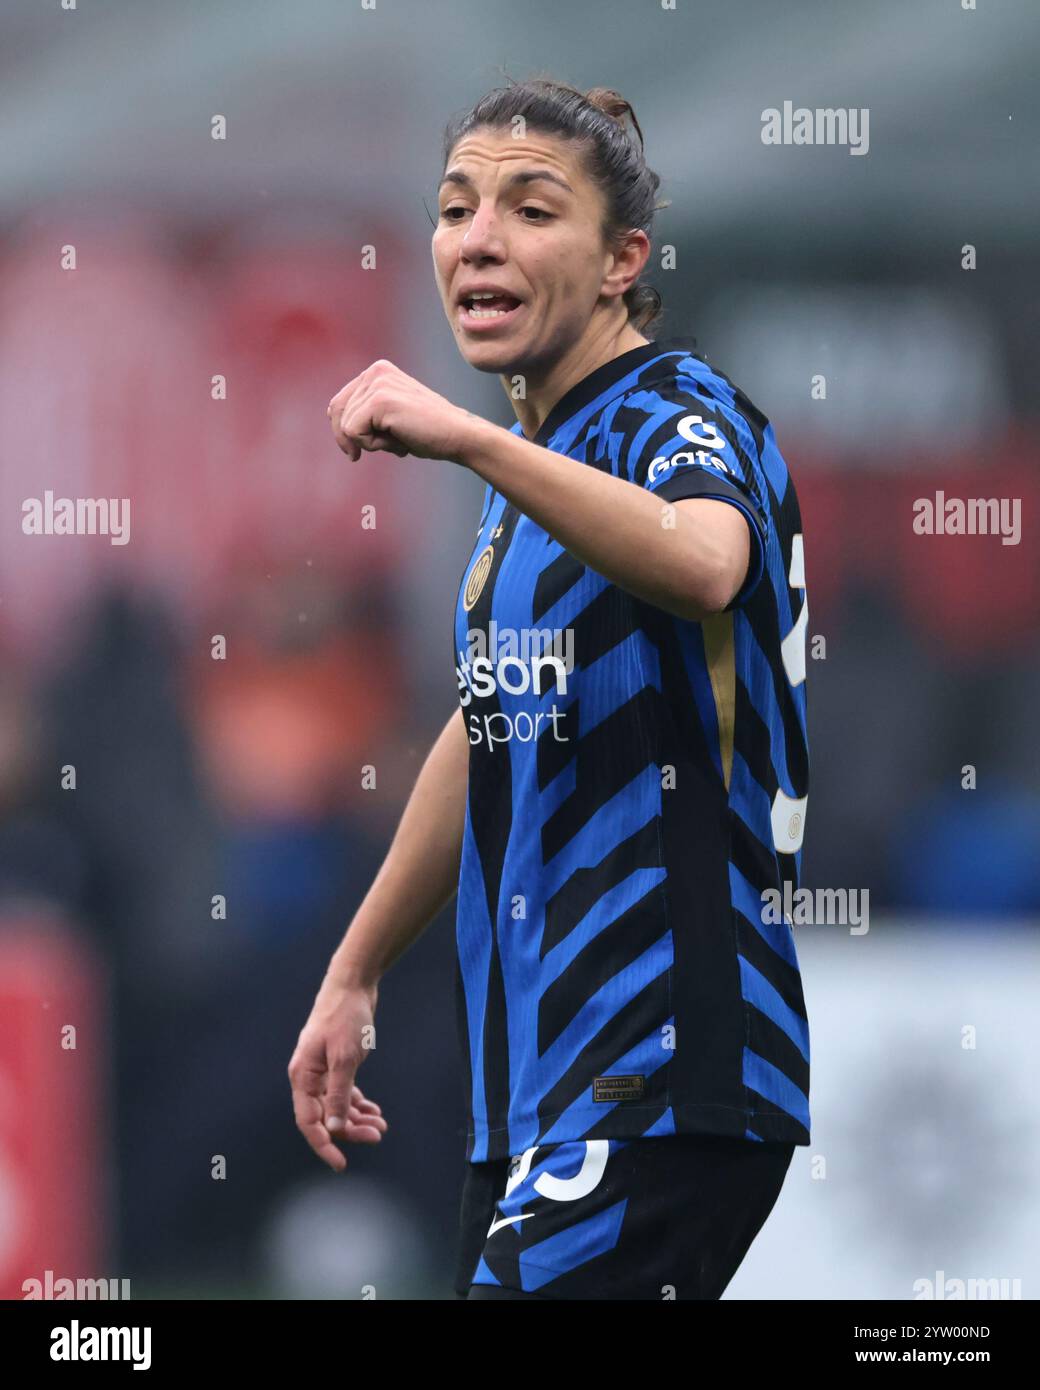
{"x":351,"y":447}
{"x":318,"y":1105}
{"x":346,"y":1112}
{"x":352,"y":412}
{"x":363,"y":1125}
{"x":354,"y":433}
{"x":358,"y":1129}
{"x":358,"y":1098}
{"x":337,"y":412}
{"x":365,"y":1122}
{"x":343,"y":407}
{"x":308,"y":1110}
{"x":387,"y":444}
{"x":370,"y":442}
{"x":339,"y":1092}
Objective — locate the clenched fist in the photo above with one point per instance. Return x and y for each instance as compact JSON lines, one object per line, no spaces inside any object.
{"x":386,"y":409}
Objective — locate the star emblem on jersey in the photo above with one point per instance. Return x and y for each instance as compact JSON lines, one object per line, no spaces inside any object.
{"x":497,"y":532}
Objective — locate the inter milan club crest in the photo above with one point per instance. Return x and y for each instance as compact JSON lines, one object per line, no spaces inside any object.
{"x":479,"y":573}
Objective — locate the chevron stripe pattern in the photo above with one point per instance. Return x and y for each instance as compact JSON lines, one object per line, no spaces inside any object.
{"x":637,"y":782}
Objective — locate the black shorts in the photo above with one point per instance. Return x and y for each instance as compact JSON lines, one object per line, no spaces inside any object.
{"x":669,"y":1217}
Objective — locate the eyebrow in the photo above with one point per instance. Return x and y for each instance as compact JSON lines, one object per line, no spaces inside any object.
{"x":456,"y":176}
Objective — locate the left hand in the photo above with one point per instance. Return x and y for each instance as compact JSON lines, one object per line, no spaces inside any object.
{"x":385,"y":409}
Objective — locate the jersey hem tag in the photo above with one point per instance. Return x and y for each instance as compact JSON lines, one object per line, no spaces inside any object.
{"x":614,"y":1088}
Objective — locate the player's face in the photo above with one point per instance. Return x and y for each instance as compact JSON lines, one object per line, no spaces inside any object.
{"x":538,"y":240}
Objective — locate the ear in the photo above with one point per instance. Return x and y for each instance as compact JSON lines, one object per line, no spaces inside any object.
{"x":625,"y":264}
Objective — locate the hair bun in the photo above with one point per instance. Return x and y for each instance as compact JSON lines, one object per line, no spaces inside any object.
{"x":613,"y":104}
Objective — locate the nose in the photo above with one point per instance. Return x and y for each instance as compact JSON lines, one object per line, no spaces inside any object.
{"x":482,"y":239}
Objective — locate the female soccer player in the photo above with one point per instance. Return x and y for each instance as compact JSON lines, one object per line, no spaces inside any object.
{"x":623,"y":785}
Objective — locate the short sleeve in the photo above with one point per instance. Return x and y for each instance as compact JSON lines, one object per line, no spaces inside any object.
{"x":700,"y":452}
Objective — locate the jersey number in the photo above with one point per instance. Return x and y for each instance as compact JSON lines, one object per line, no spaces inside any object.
{"x":788,"y":813}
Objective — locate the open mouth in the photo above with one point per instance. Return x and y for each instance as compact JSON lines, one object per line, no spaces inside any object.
{"x":480,"y":309}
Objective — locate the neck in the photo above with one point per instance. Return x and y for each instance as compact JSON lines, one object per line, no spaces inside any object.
{"x":545,"y":386}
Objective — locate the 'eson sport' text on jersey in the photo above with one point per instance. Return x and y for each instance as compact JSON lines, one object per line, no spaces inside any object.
{"x":637,"y":782}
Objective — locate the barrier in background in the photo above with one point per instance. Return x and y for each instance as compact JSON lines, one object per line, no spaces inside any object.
{"x":53,"y":1069}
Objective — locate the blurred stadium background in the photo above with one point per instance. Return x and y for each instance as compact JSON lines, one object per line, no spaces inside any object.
{"x":243,"y":258}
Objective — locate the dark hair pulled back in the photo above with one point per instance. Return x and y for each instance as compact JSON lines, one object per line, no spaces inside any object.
{"x":612,"y":151}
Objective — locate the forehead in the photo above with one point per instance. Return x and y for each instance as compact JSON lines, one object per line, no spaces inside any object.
{"x":486,"y":151}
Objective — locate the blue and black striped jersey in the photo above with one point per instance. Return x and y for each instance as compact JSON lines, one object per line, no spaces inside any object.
{"x":637,"y":781}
